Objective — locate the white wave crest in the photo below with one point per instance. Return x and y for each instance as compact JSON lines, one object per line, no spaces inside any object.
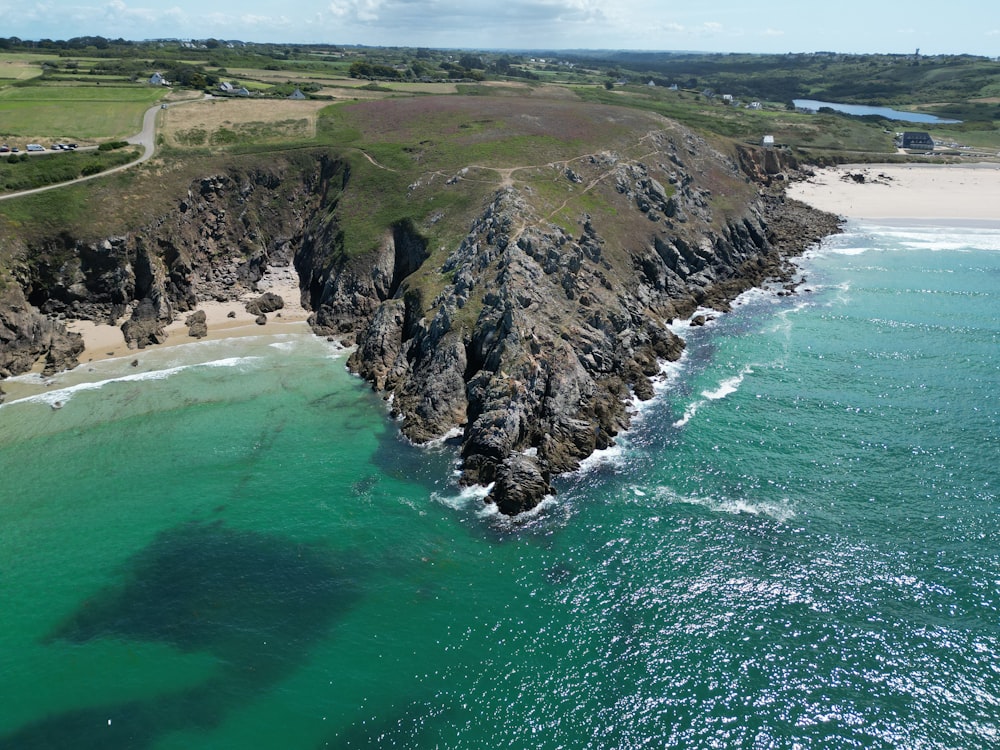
{"x":439,"y":442}
{"x":61,"y":396}
{"x":613,"y":455}
{"x":511,"y":523}
{"x":464,"y":497}
{"x":779,"y":511}
{"x":725,"y":388}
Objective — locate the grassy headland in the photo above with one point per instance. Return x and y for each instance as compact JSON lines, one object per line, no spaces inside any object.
{"x":428,"y":134}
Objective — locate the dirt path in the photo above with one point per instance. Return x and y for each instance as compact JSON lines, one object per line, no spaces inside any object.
{"x":374,"y":163}
{"x":506,"y":175}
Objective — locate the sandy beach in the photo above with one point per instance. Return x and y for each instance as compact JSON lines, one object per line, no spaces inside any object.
{"x":928,"y":193}
{"x":224,"y":320}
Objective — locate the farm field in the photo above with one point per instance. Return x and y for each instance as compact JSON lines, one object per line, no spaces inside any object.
{"x":221,"y":122}
{"x":78,"y":112}
{"x":81,"y":96}
{"x":17,"y":68}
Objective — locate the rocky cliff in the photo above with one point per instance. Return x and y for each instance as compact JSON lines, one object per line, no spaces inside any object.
{"x":529,"y":337}
{"x":541,"y":337}
{"x":214,"y":242}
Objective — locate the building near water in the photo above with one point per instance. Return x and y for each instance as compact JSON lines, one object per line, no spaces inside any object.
{"x":915,"y":141}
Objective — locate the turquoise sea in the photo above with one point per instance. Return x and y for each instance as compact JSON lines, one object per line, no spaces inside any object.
{"x":797,"y":546}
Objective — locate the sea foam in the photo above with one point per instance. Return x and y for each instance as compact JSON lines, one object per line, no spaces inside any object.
{"x":725,"y":388}
{"x":59,"y":397}
{"x":779,"y":511}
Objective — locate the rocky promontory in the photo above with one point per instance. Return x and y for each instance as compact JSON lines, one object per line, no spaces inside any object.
{"x":530,"y":332}
{"x":542,"y":338}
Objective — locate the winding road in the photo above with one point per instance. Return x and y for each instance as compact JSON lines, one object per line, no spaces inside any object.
{"x":145,"y":138}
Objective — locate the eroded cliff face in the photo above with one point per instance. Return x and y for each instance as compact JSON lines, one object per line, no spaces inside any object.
{"x":530,"y":339}
{"x":26,"y":336}
{"x":214,"y":242}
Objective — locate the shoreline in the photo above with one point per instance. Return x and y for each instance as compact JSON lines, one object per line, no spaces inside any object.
{"x":907,"y":194}
{"x":224,"y":320}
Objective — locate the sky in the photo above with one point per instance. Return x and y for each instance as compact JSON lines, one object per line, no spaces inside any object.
{"x":866,"y":26}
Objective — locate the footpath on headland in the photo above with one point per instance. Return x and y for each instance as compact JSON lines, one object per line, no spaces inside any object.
{"x":917,"y":192}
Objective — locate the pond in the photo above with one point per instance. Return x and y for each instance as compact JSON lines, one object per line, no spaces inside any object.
{"x":861,"y":109}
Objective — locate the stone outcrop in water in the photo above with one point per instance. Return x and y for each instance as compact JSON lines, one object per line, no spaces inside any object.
{"x":542,"y":339}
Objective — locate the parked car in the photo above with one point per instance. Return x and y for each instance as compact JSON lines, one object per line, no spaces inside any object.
{"x":4,"y":149}
{"x":15,"y":150}
{"x":35,"y":147}
{"x":57,"y":147}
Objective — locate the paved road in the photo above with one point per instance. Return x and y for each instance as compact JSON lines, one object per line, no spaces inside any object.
{"x":145,"y":138}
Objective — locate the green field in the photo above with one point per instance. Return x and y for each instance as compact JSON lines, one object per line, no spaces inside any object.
{"x":80,"y":112}
{"x":35,"y":170}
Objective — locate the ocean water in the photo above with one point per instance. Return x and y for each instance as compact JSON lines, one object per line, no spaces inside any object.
{"x":796,"y":546}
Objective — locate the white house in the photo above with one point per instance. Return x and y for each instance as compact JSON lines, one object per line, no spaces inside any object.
{"x":157,"y":79}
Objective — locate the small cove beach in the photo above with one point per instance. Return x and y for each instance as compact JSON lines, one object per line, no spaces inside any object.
{"x":931,"y":194}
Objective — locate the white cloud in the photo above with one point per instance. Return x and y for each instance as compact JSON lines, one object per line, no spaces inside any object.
{"x":365,"y":11}
{"x":116,"y":11}
{"x":773,"y":32}
{"x":268,"y":22}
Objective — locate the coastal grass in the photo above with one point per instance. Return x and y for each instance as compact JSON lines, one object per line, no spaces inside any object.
{"x":434,"y":161}
{"x":47,"y":214}
{"x":36,"y":170}
{"x":708,"y":115}
{"x":110,"y":204}
{"x":563,"y":202}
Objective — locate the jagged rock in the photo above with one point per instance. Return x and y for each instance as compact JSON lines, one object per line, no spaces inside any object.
{"x":145,"y":327}
{"x":261,"y":319}
{"x":197,"y":324}
{"x":26,"y":335}
{"x":520,"y":484}
{"x":268,"y":302}
{"x":531,"y":337}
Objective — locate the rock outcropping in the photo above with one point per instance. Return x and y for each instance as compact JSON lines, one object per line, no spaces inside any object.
{"x":542,"y":339}
{"x":26,"y":336}
{"x":214,"y":243}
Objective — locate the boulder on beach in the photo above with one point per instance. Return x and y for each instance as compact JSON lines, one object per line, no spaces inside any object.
{"x":265,"y":303}
{"x":197,"y":324}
